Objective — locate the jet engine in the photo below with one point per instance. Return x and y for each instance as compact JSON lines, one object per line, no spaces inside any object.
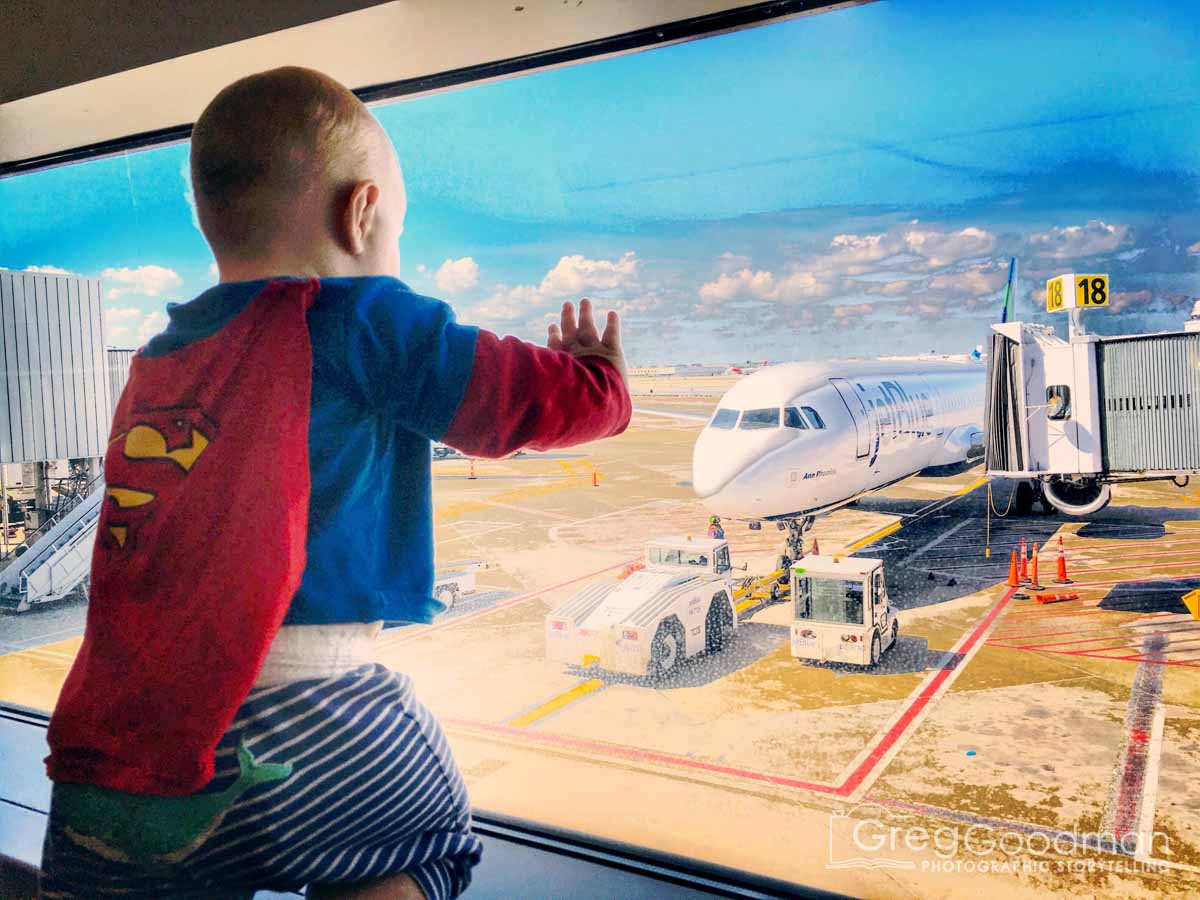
{"x":1080,"y":496}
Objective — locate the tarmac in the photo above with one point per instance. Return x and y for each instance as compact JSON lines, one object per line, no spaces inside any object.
{"x":1003,"y":747}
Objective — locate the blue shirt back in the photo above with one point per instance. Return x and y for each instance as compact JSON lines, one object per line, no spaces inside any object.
{"x":389,"y":371}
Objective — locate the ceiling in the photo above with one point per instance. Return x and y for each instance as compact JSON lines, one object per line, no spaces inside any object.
{"x":79,"y":79}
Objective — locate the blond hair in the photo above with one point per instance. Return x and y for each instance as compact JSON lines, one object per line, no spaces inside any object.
{"x":264,"y":142}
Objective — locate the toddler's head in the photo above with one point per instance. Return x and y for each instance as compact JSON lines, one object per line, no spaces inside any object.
{"x":292,"y":175}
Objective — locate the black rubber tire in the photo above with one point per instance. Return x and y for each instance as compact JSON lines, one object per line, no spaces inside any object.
{"x":718,"y":625}
{"x":876,"y":649}
{"x":1024,"y":499}
{"x":663,"y":663}
{"x":895,"y":633}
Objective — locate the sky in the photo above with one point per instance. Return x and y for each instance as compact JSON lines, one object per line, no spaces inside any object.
{"x":846,"y":184}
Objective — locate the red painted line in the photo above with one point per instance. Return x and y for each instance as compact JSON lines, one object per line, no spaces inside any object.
{"x":1087,"y":584}
{"x":639,"y":755}
{"x":1017,"y":635}
{"x":513,"y":601}
{"x":1192,"y":553}
{"x":1106,"y":637}
{"x":1085,"y":572}
{"x":1133,"y":658}
{"x":851,"y":783}
{"x":921,"y":701}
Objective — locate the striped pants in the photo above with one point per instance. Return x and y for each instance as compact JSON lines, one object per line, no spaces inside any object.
{"x":373,"y":791}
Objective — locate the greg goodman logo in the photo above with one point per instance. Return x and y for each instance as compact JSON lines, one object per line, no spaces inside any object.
{"x":862,"y":839}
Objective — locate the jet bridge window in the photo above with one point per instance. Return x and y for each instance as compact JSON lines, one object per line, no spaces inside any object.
{"x":724,"y":419}
{"x":1058,"y":401}
{"x":760,"y":418}
{"x":793,"y":419}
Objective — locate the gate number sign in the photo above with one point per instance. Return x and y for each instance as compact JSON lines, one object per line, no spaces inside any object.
{"x":1076,"y":292}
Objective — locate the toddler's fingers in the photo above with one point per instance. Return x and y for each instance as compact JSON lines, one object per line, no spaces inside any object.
{"x":569,"y":327}
{"x":587,"y":324}
{"x":612,"y":332}
{"x":554,"y":341}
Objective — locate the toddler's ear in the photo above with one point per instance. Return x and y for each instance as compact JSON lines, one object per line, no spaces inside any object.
{"x":358,"y":217}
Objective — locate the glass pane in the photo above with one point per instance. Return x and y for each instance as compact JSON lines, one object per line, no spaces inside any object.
{"x":793,"y":419}
{"x":759,"y":418}
{"x":725,"y":418}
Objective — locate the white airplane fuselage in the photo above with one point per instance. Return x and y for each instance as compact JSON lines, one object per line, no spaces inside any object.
{"x":875,"y":423}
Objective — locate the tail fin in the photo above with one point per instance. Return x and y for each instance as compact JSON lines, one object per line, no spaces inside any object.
{"x":254,"y":772}
{"x":1009,"y":289}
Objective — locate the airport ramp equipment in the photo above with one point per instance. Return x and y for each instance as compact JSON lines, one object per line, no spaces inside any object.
{"x":58,"y":561}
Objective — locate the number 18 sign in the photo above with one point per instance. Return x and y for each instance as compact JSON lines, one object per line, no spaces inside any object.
{"x":1076,"y":292}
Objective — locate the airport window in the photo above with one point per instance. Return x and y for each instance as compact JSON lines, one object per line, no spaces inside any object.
{"x":733,"y":219}
{"x":793,"y":419}
{"x":725,"y":419}
{"x":1058,"y":401}
{"x":753,"y":419}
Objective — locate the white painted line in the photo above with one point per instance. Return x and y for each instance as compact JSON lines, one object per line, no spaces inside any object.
{"x":933,"y":543}
{"x":687,"y":417}
{"x":1145,"y":830}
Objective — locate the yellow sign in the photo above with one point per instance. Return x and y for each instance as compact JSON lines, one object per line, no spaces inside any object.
{"x":1076,"y":292}
{"x":1054,"y":294}
{"x":1091,"y":290}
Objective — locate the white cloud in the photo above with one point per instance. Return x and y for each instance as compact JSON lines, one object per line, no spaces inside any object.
{"x":421,"y":268}
{"x":759,"y":284}
{"x":1079,"y":240}
{"x":574,"y":275}
{"x":213,"y":270}
{"x":148,"y":281}
{"x":730,"y":262}
{"x":1194,"y":250}
{"x":941,"y":248}
{"x":129,"y":326}
{"x":457,"y":275}
{"x":508,"y":304}
{"x":976,"y":281}
{"x":151,"y":325}
{"x":48,"y":270}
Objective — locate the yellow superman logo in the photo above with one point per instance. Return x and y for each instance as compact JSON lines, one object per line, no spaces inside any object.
{"x":144,"y":442}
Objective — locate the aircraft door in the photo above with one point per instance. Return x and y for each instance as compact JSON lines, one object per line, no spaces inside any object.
{"x":858,"y":412}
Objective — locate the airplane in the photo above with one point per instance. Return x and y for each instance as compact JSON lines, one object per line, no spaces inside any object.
{"x":797,"y":440}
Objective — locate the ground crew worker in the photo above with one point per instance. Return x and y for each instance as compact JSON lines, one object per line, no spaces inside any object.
{"x":715,"y":531}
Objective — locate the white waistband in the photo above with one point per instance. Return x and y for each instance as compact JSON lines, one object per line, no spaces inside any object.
{"x":318,"y":651}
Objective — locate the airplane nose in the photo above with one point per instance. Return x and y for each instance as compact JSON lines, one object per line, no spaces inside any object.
{"x":720,"y":456}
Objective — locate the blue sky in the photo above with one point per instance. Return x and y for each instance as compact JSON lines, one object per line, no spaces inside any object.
{"x":848,"y":183}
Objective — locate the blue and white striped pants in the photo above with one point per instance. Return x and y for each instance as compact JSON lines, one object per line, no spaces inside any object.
{"x":374,"y":791}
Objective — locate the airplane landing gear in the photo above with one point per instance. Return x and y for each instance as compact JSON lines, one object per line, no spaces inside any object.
{"x":794,"y":548}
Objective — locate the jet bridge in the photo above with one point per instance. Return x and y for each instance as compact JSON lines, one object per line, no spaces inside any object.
{"x":1079,"y":415}
{"x":54,"y":561}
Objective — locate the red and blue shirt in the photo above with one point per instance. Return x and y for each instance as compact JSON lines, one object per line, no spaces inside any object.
{"x":269,"y":464}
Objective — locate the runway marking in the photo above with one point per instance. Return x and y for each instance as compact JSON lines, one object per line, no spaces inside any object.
{"x":553,"y":705}
{"x":870,"y":539}
{"x":876,"y":758}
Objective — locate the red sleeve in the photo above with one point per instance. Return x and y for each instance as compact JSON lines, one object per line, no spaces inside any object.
{"x":521,"y":395}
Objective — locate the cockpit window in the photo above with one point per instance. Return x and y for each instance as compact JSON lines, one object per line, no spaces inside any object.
{"x":793,"y":419}
{"x":725,"y":418}
{"x":814,"y":418}
{"x":760,"y":418}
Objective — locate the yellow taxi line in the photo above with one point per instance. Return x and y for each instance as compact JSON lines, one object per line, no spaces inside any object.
{"x":871,"y":538}
{"x":554,"y":705}
{"x":978,"y":482}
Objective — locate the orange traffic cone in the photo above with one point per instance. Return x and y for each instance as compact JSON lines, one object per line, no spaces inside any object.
{"x":816,"y":548}
{"x":595,"y":478}
{"x":472,"y":473}
{"x":1033,"y":581}
{"x":1014,"y":577}
{"x":1024,"y":562}
{"x":1061,"y":576}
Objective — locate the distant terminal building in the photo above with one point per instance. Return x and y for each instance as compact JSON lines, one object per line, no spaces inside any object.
{"x":688,"y":370}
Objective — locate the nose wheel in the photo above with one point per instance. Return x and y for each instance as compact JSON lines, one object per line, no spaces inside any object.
{"x":794,"y":543}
